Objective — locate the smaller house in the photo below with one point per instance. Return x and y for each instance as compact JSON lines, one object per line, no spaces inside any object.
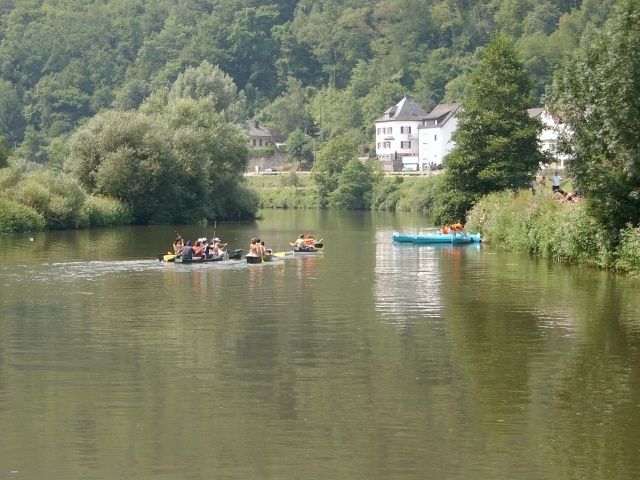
{"x":260,"y":137}
{"x":397,"y":135}
{"x":434,"y":135}
{"x":549,"y":135}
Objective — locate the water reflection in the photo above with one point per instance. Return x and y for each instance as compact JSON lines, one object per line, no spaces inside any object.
{"x":409,"y":277}
{"x":381,"y":361}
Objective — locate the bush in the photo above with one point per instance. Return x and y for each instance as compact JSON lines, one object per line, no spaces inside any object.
{"x":99,"y":211}
{"x":288,"y":197}
{"x":452,"y":206}
{"x":541,"y":225}
{"x":629,"y":251}
{"x":56,"y":196}
{"x":420,"y":194}
{"x":387,"y":193}
{"x":15,"y":217}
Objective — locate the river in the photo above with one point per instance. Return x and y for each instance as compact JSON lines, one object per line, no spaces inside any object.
{"x":369,"y":361}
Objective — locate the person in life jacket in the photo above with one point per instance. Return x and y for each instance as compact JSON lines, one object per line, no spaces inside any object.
{"x":456,"y":227}
{"x":444,"y":229}
{"x":309,"y":240}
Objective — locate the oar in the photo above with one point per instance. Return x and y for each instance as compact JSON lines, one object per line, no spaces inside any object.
{"x":280,"y":254}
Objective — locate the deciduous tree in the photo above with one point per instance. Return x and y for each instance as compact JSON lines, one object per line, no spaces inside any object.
{"x":496,"y":140}
{"x":597,"y":95}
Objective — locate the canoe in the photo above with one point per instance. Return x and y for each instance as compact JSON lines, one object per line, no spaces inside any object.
{"x":305,"y":251}
{"x":228,"y":255}
{"x":437,"y":237}
{"x":258,"y":258}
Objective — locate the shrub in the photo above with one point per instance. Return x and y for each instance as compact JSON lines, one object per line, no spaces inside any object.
{"x":16,"y":217}
{"x":57,"y":196}
{"x":629,"y":250}
{"x":419,"y":194}
{"x":540,"y":225}
{"x":288,"y":197}
{"x":98,"y":211}
{"x":387,"y":193}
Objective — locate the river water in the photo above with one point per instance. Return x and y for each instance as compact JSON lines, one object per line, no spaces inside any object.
{"x":370,"y":361}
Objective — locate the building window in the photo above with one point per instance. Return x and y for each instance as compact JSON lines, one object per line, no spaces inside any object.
{"x":435,"y":138}
{"x":389,"y":130}
{"x":405,"y":144}
{"x":254,"y":142}
{"x":405,"y":129}
{"x":260,"y":142}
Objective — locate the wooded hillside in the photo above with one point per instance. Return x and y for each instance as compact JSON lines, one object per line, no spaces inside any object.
{"x":325,"y":67}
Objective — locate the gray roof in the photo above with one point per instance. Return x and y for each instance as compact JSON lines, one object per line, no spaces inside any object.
{"x":405,"y":109}
{"x":255,"y":130}
{"x":535,"y":112}
{"x":440,"y":114}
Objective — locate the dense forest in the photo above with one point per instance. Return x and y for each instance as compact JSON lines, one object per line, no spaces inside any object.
{"x":322,"y":66}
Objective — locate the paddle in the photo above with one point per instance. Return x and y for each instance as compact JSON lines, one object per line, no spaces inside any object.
{"x":280,"y":254}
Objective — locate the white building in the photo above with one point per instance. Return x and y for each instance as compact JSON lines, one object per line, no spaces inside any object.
{"x":397,"y":135}
{"x":407,"y":138}
{"x":434,"y":136}
{"x":549,"y":135}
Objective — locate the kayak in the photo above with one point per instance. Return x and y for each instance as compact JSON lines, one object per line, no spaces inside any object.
{"x":437,"y":237}
{"x":258,"y":258}
{"x":228,"y":255}
{"x":303,"y":251}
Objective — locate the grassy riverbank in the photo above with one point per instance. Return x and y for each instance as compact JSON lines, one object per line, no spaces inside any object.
{"x":290,"y":190}
{"x":540,"y":225}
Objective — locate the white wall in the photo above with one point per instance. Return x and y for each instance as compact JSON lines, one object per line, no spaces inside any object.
{"x":436,"y":142}
{"x":390,"y":143}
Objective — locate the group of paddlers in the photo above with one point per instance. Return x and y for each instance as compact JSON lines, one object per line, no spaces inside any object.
{"x":202,"y":248}
{"x":257,"y":248}
{"x":455,"y":227}
{"x":304,"y":242}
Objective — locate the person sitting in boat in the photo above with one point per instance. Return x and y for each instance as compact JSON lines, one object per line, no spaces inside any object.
{"x":187,"y":251}
{"x":262,"y":251}
{"x":208,"y":249}
{"x":300,"y":242}
{"x":265,"y":251}
{"x":309,"y":241}
{"x":177,"y":245}
{"x":445,"y":229}
{"x":198,"y":251}
{"x":456,"y":227}
{"x":218,"y":247}
{"x":253,"y":249}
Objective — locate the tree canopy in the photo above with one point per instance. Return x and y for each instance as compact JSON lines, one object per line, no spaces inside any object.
{"x":66,"y":61}
{"x":496,"y":140}
{"x":597,"y":95}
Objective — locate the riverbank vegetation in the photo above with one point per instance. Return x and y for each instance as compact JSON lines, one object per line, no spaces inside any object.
{"x":393,"y":193}
{"x":567,"y":232}
{"x":32,"y":198}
